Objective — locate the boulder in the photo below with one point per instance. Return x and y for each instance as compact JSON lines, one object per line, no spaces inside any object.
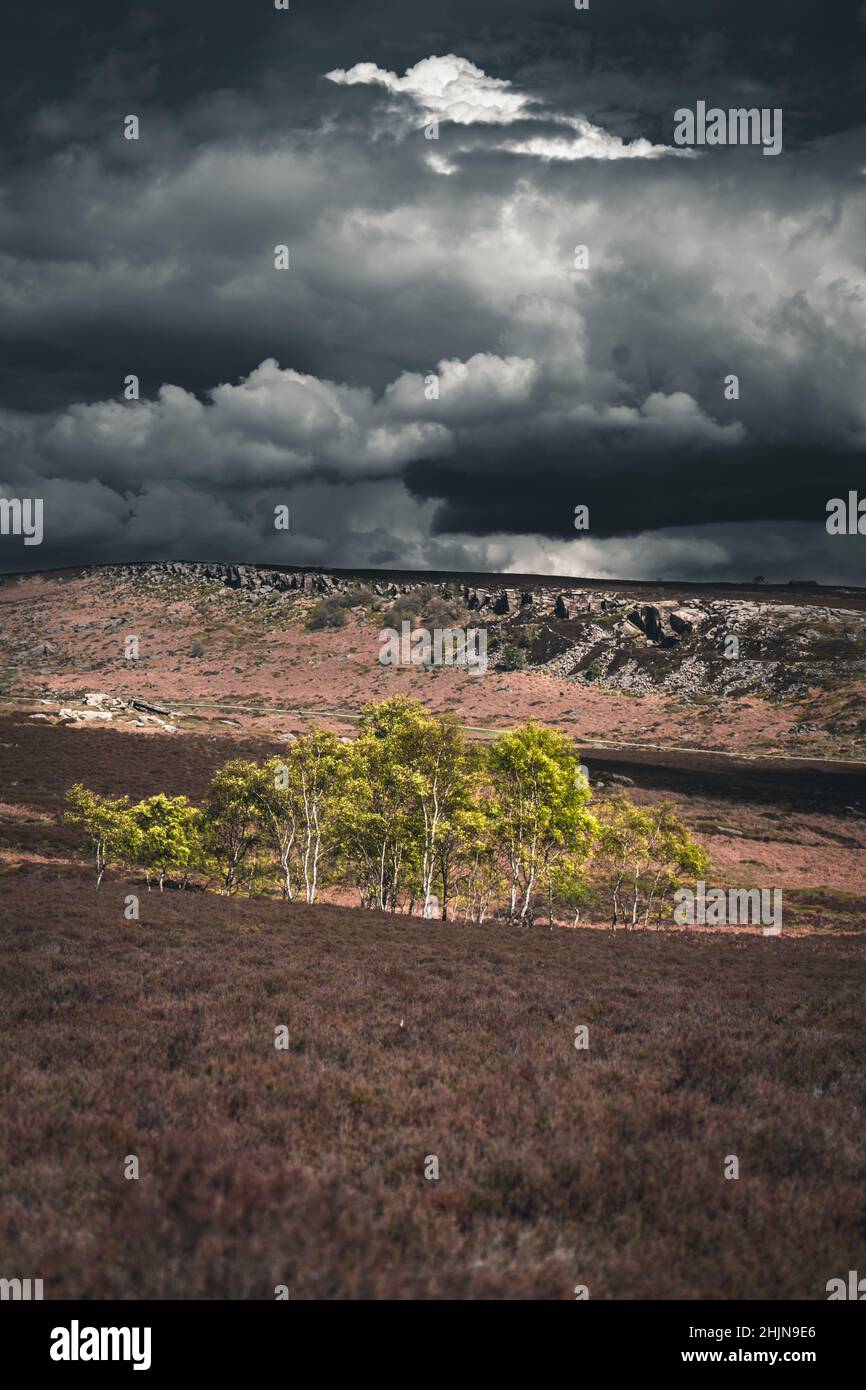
{"x":151,"y":721}
{"x":649,"y":620}
{"x":684,"y":620}
{"x":154,"y":709}
{"x":78,"y":716}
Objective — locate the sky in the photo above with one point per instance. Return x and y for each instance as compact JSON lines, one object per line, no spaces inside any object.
{"x":439,"y":378}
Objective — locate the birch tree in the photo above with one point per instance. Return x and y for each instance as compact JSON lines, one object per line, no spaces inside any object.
{"x":540,"y":802}
{"x":106,"y":821}
{"x":318,"y":768}
{"x":231,"y":818}
{"x":646,"y":850}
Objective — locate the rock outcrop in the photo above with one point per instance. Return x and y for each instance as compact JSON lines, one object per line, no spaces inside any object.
{"x":621,"y":640}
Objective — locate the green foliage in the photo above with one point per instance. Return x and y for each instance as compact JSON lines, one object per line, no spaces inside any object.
{"x":540,"y":799}
{"x":513,"y":645}
{"x":402,"y":610}
{"x":511,"y":658}
{"x":326,"y":614}
{"x":379,"y":809}
{"x":438,"y":612}
{"x":274,"y":797}
{"x":284,"y":805}
{"x":318,"y":768}
{"x":646,"y":850}
{"x":412,"y":817}
{"x":231,"y":823}
{"x":166,"y":836}
{"x":106,"y":822}
{"x":569,"y":891}
{"x":358,"y":596}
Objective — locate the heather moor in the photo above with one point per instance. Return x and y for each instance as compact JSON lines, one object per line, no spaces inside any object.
{"x":432,"y":670}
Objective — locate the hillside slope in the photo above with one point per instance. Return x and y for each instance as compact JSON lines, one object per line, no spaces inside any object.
{"x":617,"y":664}
{"x":409,"y":1040}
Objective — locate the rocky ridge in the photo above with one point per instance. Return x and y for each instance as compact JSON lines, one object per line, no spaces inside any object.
{"x":609,"y":638}
{"x":639,"y":641}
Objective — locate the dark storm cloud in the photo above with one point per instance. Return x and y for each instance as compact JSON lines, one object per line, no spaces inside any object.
{"x":413,"y":257}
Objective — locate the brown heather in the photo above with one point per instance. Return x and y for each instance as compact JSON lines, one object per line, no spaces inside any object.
{"x":305,"y":1167}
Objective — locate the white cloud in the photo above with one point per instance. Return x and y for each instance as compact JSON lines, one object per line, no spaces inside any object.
{"x":280,"y":425}
{"x":449,"y":87}
{"x":275,"y":425}
{"x":660,"y":417}
{"x":478,"y":389}
{"x":588,"y":142}
{"x":713,"y":550}
{"x":454,"y":89}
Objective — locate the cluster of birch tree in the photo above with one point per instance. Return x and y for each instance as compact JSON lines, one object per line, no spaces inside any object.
{"x":413,"y":818}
